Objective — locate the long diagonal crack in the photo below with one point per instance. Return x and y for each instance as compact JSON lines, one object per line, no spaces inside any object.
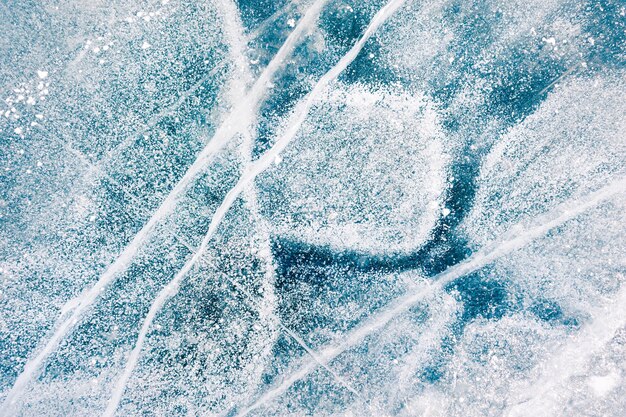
{"x":252,"y":171}
{"x":518,"y":236}
{"x":239,"y":118}
{"x":248,"y":298}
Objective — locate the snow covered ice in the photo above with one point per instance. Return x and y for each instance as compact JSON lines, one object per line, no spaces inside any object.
{"x":313,"y":208}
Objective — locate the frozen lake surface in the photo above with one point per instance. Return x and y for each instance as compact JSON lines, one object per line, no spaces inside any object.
{"x":313,"y":208}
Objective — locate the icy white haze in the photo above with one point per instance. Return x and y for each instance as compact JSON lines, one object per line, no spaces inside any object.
{"x":313,"y":208}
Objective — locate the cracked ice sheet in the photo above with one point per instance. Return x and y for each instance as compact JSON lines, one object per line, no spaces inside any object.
{"x":458,"y":124}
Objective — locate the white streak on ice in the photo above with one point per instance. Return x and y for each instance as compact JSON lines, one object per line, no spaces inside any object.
{"x":239,"y":119}
{"x":251,"y":200}
{"x":252,"y":171}
{"x":516,"y":238}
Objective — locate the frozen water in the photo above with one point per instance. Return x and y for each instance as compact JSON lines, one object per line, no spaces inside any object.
{"x":313,"y":207}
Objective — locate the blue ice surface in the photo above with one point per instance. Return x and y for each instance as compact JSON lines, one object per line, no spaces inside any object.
{"x":521,"y":77}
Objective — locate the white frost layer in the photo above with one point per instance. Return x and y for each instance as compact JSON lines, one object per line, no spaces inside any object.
{"x":366,"y":172}
{"x":566,"y":149}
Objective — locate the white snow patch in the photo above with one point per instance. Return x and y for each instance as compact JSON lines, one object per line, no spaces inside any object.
{"x":603,"y":385}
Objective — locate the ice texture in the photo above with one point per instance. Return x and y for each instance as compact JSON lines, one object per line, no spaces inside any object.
{"x":313,"y":208}
{"x":370,"y":179}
